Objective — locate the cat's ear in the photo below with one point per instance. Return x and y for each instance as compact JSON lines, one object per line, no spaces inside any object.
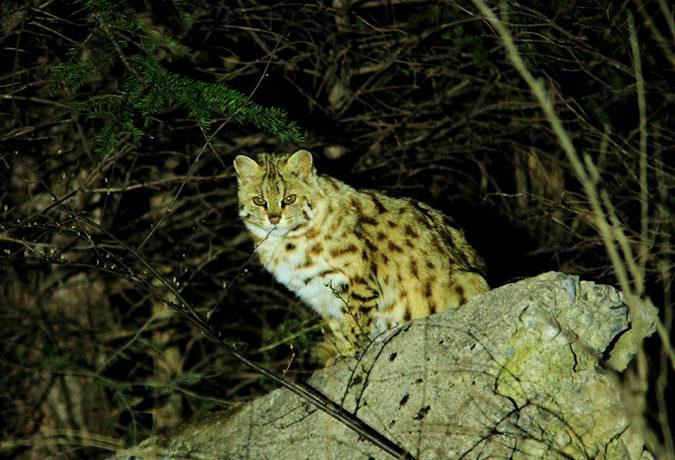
{"x":245,"y":167}
{"x":300,"y":163}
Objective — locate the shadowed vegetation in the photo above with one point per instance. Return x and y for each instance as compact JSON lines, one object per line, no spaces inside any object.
{"x":119,"y":122}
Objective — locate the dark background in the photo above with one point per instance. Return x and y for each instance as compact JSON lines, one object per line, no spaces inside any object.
{"x":119,"y":122}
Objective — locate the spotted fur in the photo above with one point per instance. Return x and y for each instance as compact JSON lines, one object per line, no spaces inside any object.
{"x":362,"y":260}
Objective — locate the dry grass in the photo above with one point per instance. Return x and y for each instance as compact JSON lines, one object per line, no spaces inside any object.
{"x":629,"y":268}
{"x":562,"y":143}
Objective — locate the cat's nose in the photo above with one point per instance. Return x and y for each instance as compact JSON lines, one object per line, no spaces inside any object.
{"x":274,"y":219}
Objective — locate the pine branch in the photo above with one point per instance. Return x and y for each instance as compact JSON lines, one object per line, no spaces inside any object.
{"x":149,"y":89}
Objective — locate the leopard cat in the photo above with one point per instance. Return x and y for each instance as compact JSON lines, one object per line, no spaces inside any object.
{"x":364,"y":261}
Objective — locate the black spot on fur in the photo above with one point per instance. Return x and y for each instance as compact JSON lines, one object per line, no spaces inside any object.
{"x":346,"y":250}
{"x":369,"y":244}
{"x":461,"y":294}
{"x":410,"y":232}
{"x":378,"y":204}
{"x":366,"y":220}
{"x":394,"y":247}
{"x":427,"y":290}
{"x":413,"y":268}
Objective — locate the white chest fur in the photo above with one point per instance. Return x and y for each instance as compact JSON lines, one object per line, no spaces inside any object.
{"x":313,"y":279}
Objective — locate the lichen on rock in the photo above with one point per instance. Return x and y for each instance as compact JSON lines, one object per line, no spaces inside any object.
{"x":526,"y":370}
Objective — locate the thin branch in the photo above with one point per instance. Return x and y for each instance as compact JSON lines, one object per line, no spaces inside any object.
{"x":644,"y":193}
{"x":307,"y":392}
{"x":590,"y":188}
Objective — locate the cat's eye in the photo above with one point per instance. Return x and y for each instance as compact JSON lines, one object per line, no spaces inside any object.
{"x":260,"y":201}
{"x":290,"y":199}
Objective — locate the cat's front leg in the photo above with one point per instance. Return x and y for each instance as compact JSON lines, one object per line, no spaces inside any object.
{"x":353,"y":329}
{"x":346,"y":337}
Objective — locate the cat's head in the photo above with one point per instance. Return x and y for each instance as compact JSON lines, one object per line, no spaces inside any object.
{"x":276,"y":191}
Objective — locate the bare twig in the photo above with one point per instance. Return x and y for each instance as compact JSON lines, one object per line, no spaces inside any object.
{"x":606,"y":230}
{"x":644,"y":193}
{"x":304,"y":390}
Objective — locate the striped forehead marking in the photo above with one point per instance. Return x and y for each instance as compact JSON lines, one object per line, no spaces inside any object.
{"x":273,"y":179}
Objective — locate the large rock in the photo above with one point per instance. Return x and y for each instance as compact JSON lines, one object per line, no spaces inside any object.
{"x":526,"y":370}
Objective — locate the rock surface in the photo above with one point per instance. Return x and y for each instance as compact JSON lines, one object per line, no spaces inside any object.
{"x":522,"y":371}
